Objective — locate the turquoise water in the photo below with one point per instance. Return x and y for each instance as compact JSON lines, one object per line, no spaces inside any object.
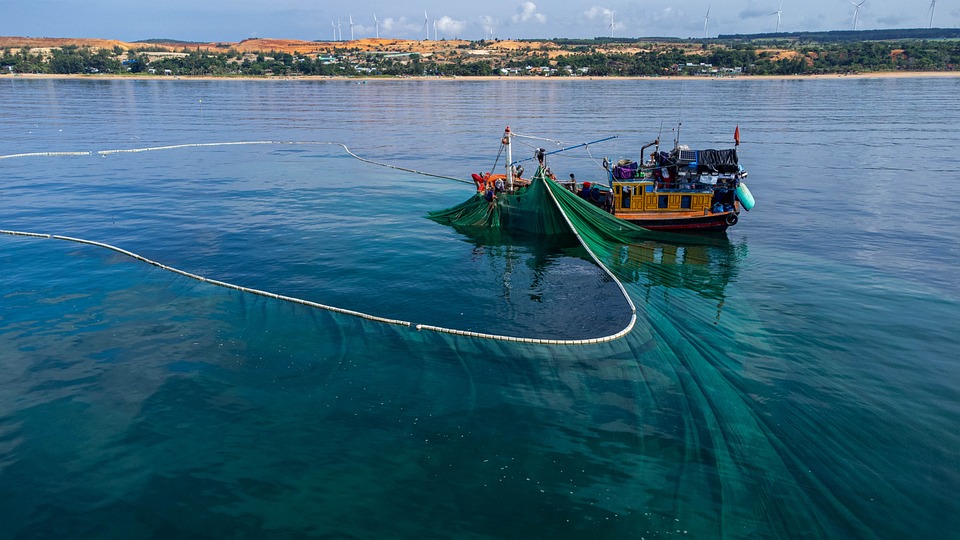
{"x":797,"y":379}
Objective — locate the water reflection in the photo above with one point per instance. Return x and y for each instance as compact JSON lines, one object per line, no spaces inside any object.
{"x":544,"y":285}
{"x":705,"y":269}
{"x":704,"y":265}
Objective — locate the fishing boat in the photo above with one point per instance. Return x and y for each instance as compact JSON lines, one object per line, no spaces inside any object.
{"x":677,"y":190}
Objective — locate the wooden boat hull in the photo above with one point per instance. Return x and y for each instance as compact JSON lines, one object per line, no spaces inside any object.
{"x":709,"y":223}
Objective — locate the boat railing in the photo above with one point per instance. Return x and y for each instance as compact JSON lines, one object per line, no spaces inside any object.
{"x":671,"y":187}
{"x":686,"y":187}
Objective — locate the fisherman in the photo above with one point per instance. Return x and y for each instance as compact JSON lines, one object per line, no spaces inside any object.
{"x":480,"y":181}
{"x":498,"y":185}
{"x":491,"y":198}
{"x":585,"y":192}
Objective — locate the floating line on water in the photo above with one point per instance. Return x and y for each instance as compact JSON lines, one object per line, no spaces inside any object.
{"x":419,"y":327}
{"x":46,"y":154}
{"x":334,"y":309}
{"x":231,"y":143}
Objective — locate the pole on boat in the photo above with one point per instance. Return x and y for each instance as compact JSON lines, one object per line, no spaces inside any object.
{"x":581,"y":145}
{"x":506,"y":142}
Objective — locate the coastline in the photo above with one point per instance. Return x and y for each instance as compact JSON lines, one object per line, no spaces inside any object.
{"x":865,"y":75}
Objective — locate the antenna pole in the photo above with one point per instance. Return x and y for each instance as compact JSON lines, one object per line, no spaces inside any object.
{"x":659,"y":133}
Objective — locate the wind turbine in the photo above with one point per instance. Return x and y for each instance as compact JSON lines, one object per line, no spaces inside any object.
{"x":856,"y":13}
{"x":351,"y":27}
{"x":435,"y":30}
{"x":933,"y":5}
{"x":339,"y":31}
{"x":376,"y":24}
{"x":706,"y":23}
{"x":426,"y":29}
{"x":777,"y":13}
{"x":612,"y":26}
{"x":334,"y":25}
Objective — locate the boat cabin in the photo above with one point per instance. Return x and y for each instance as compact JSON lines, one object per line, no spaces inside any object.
{"x":643,"y":196}
{"x":679,"y":190}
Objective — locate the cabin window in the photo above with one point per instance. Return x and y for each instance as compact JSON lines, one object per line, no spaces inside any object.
{"x":625,"y":199}
{"x":662,"y":201}
{"x":684,"y":201}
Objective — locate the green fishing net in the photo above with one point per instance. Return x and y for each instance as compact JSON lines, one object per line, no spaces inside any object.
{"x":547,"y":208}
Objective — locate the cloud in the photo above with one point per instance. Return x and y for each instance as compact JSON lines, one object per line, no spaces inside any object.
{"x":450,"y":27}
{"x":489,"y":24}
{"x":666,"y":14}
{"x":597,"y":11}
{"x":400,"y":26}
{"x":527,"y":12}
{"x":360,"y":30}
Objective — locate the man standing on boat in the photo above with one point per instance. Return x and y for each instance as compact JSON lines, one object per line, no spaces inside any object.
{"x":491,"y":198}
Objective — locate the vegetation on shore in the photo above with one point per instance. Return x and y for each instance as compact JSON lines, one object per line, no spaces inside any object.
{"x":597,"y":58}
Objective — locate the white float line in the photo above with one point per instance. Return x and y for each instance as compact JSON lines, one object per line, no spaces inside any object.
{"x":232,"y":143}
{"x":334,"y":309}
{"x":419,"y":327}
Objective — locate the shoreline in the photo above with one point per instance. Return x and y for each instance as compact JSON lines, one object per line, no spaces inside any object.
{"x":866,"y":75}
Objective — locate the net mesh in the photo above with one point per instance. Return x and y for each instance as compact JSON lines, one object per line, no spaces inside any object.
{"x":540,"y":209}
{"x":694,"y":435}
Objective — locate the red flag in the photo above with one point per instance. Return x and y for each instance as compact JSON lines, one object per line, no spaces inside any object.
{"x":736,"y":135}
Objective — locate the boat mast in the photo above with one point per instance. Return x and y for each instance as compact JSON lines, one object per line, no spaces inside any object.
{"x":506,"y":142}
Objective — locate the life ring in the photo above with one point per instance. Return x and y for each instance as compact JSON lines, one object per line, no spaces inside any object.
{"x":595,"y":194}
{"x":732,"y":219}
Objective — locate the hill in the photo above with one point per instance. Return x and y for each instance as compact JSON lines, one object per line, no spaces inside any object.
{"x":255,"y":45}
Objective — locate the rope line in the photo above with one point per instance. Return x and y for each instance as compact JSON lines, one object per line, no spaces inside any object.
{"x":531,"y":137}
{"x":598,"y":164}
{"x":497,"y":161}
{"x":334,"y":309}
{"x":233,"y":143}
{"x":317,"y":305}
{"x":387,"y":165}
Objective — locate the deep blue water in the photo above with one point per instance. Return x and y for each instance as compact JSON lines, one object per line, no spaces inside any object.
{"x":798,"y":378}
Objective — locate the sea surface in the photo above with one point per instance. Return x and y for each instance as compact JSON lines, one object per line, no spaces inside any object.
{"x":797,"y":377}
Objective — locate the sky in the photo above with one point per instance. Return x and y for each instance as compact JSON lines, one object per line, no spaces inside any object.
{"x":236,"y":20}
